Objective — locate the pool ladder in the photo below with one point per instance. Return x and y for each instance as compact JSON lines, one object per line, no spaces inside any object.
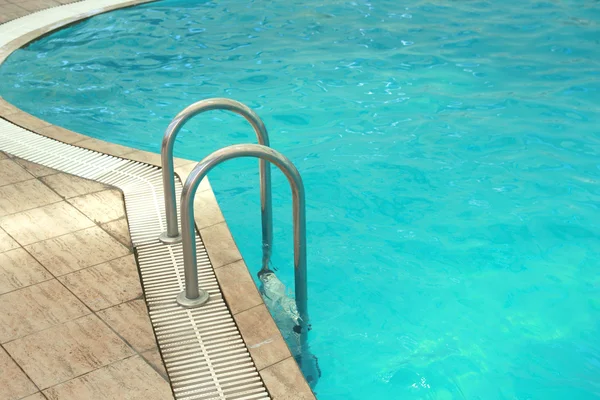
{"x":193,"y":295}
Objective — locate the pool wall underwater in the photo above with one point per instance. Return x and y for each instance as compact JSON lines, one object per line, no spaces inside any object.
{"x":271,"y":356}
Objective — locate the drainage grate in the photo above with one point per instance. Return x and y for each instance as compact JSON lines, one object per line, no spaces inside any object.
{"x":202,"y":348}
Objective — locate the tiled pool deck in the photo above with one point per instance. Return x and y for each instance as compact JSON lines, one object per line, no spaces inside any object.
{"x":74,"y":325}
{"x":73,"y":322}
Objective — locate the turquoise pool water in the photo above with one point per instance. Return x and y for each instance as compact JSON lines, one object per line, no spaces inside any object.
{"x":450,"y":154}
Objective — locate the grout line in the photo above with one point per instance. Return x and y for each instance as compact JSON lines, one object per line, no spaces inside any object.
{"x":29,"y":209}
{"x":99,"y":224}
{"x":142,"y":184}
{"x":95,"y":313}
{"x":231,"y":263}
{"x":131,"y":345}
{"x":33,"y":284}
{"x":128,"y":245}
{"x":39,"y":178}
{"x":79,"y":195}
{"x":221,"y":266}
{"x":276,"y":363}
{"x":118,"y":334}
{"x":258,"y":384}
{"x":56,"y":237}
{"x":36,"y":260}
{"x":91,"y":266}
{"x":94,"y":370}
{"x":48,"y":327}
{"x":211,"y":225}
{"x":16,"y":182}
{"x":10,"y":236}
{"x":20,"y":167}
{"x":21,"y":368}
{"x":66,"y":200}
{"x":140,"y":297}
{"x":68,"y":273}
{"x":111,"y":7}
{"x":18,"y":161}
{"x":107,"y":187}
{"x":158,"y":371}
{"x":91,"y":312}
{"x":252,"y":308}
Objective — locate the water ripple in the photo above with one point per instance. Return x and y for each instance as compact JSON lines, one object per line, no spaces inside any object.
{"x":450,"y":153}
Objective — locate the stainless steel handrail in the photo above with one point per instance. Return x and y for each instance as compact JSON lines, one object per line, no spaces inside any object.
{"x":193,"y":296}
{"x":172,"y":234}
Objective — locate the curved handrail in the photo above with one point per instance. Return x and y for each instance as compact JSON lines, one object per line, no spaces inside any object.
{"x":172,"y":234}
{"x":193,"y":296}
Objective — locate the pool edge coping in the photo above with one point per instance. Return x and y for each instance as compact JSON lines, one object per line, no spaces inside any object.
{"x":214,"y":234}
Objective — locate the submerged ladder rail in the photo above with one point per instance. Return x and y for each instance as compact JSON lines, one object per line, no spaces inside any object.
{"x":192,"y":295}
{"x":172,"y":235}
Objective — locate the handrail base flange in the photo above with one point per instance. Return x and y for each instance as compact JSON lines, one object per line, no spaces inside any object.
{"x":166,"y":239}
{"x":202,"y":298}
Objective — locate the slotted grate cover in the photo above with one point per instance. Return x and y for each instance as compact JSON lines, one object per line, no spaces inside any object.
{"x":202,"y":349}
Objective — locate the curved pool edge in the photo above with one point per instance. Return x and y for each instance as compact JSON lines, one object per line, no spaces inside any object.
{"x":271,"y":356}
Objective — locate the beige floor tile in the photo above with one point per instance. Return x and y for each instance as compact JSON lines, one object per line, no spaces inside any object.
{"x":35,"y":169}
{"x":220,"y":246}
{"x":61,"y":134}
{"x":12,"y":7}
{"x":71,"y":186}
{"x":14,"y":384}
{"x":36,"y":396}
{"x":143,"y":156}
{"x":35,"y":308}
{"x":262,"y":337}
{"x":18,"y":269}
{"x":36,"y":5}
{"x":153,"y":158}
{"x":238,"y":288}
{"x":68,"y":350}
{"x":6,"y":242}
{"x":77,"y":250}
{"x":130,"y":320}
{"x":4,"y":53}
{"x":11,"y":172}
{"x":131,"y":379}
{"x":180,"y":162}
{"x":155,"y":360}
{"x":184,"y":171}
{"x":25,"y":195}
{"x":285,"y":381}
{"x":120,"y":229}
{"x":26,"y":120}
{"x":206,"y":210}
{"x":104,"y":147}
{"x":101,"y":207}
{"x":44,"y":223}
{"x":106,"y":285}
{"x":3,"y":156}
{"x":7,"y":108}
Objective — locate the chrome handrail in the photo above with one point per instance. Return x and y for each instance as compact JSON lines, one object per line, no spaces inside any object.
{"x":193,"y":296}
{"x":172,"y":234}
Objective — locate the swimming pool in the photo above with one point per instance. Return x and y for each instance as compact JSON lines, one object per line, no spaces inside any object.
{"x":449,"y":155}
